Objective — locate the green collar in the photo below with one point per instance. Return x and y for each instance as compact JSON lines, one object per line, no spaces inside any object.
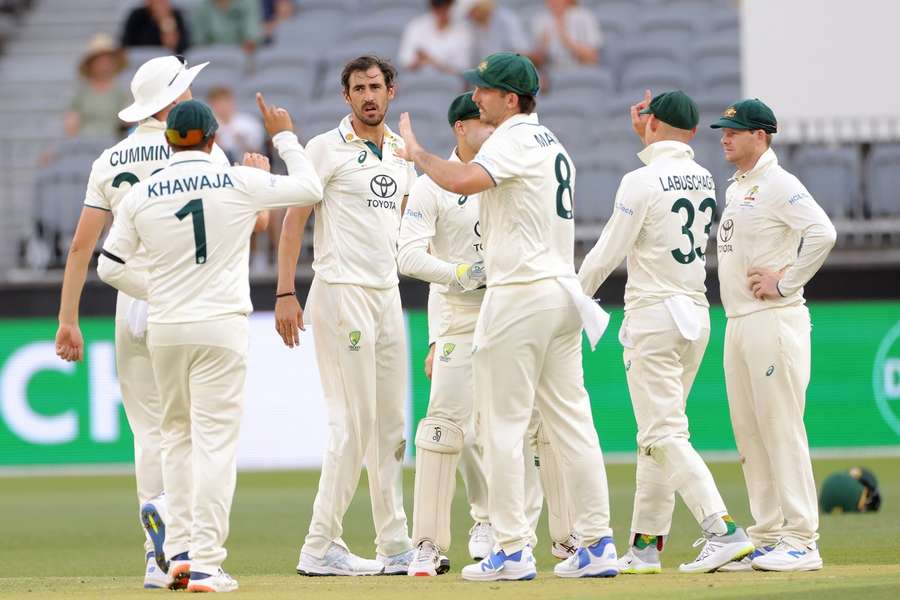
{"x":375,"y":149}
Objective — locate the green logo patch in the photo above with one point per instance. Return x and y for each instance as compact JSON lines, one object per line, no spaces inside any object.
{"x":354,"y":339}
{"x":447,"y":351}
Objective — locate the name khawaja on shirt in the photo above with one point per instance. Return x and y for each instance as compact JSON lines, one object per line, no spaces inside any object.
{"x":189,"y":184}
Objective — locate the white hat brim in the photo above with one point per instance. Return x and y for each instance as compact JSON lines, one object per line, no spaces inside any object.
{"x":138,"y":111}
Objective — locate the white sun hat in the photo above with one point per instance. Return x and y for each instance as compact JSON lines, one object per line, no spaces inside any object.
{"x":158,"y":83}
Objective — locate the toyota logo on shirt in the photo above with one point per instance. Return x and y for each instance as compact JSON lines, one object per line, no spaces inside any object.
{"x":383,"y":186}
{"x":726,"y":230}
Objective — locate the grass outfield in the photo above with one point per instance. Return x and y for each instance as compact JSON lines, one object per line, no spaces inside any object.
{"x":79,"y":537}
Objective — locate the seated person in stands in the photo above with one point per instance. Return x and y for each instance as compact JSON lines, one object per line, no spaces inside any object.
{"x":231,"y":22}
{"x":566,"y":35}
{"x":276,"y":12}
{"x":98,"y":95}
{"x":494,"y":29}
{"x":436,"y":40}
{"x":156,"y":24}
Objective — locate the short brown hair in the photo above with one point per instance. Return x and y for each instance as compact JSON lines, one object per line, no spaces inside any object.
{"x":218,"y":91}
{"x":527,"y":104}
{"x":364,"y":63}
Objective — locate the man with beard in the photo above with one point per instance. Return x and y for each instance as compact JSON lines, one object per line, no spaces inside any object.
{"x":355,"y":308}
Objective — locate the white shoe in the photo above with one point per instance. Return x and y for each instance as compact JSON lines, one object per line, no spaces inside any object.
{"x":565,"y":549}
{"x":788,"y":557}
{"x":426,"y":561}
{"x":154,"y":577}
{"x":718,"y":550}
{"x":396,"y":564}
{"x":481,"y":540}
{"x":220,"y":582}
{"x":643,"y":561}
{"x":179,"y":572}
{"x":153,"y":518}
{"x":744,"y":564}
{"x":597,"y":560}
{"x":338,"y":560}
{"x":497,"y":566}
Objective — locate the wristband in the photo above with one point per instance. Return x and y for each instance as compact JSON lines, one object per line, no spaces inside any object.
{"x":285,"y":295}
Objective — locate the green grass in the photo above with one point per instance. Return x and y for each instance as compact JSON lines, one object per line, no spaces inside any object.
{"x":79,"y":537}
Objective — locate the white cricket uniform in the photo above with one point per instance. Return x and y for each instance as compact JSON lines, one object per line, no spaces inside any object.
{"x":354,"y":306}
{"x":528,"y":337}
{"x":113,"y":174}
{"x":661,"y":220}
{"x":771,"y":221}
{"x":192,"y":222}
{"x":439,"y":230}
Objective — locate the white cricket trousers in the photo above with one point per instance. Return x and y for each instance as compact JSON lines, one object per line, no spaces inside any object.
{"x":660,"y":366}
{"x":200,"y":371}
{"x":143,"y":409}
{"x":528,"y":353}
{"x":767,"y":364}
{"x":452,"y":394}
{"x":360,"y":339}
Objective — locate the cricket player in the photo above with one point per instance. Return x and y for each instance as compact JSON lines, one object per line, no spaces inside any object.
{"x":440,"y":242}
{"x":360,"y":334}
{"x":772,"y":239}
{"x":193,"y":220}
{"x":527,"y":342}
{"x":660,"y":222}
{"x":157,"y":86}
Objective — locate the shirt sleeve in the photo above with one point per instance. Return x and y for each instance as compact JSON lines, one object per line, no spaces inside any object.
{"x":317,"y":152}
{"x":498,"y":157}
{"x":417,"y":228}
{"x":252,"y":24}
{"x":94,"y":195}
{"x":118,"y":249}
{"x":218,"y":156}
{"x":589,"y":30}
{"x":802,"y":213}
{"x":409,"y":43}
{"x":300,"y":187}
{"x":619,"y":234}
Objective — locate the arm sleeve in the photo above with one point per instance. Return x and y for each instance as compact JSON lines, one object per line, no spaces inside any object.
{"x":802,"y":213}
{"x":498,"y":157}
{"x":619,"y":234}
{"x":120,"y":245}
{"x":93,"y":195}
{"x":417,"y":228}
{"x":300,"y":187}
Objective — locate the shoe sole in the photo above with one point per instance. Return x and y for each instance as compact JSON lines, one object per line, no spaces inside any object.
{"x":611,"y":572}
{"x":739,"y":555}
{"x":641,"y":571}
{"x":498,"y":577}
{"x":180,"y":577}
{"x":789,"y":570}
{"x":306,"y":573}
{"x":156,"y":531}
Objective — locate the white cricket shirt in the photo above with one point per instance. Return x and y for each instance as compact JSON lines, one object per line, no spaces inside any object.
{"x":660,"y":221}
{"x":527,"y":218}
{"x":358,"y":220}
{"x":194,"y":219}
{"x":770,"y":221}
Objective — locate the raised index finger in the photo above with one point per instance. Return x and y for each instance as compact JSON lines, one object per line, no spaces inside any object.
{"x":261,"y":103}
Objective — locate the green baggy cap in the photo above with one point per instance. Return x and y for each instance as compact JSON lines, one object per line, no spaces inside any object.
{"x":852,"y":490}
{"x":675,"y":108}
{"x":190,"y":123}
{"x":462,"y":108}
{"x":748,"y":114}
{"x":506,"y":71}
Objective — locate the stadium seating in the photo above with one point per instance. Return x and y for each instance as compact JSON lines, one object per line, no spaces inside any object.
{"x":883,"y":180}
{"x":832,"y":176}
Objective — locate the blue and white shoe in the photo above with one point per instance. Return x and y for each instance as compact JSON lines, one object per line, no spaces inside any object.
{"x":789,"y":557}
{"x":745,"y":564}
{"x":718,"y":551}
{"x":338,"y":560}
{"x":498,"y":566}
{"x":597,"y":560}
{"x":154,"y":577}
{"x":155,"y":527}
{"x":396,"y":564}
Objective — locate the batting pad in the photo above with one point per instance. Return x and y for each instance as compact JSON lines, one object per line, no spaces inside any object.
{"x":559,"y":515}
{"x":438,"y":445}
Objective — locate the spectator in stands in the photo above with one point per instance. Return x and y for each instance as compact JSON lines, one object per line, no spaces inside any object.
{"x":494,"y":29}
{"x":238,"y":132}
{"x":99,"y":96}
{"x":436,"y":40}
{"x":566,"y":35}
{"x":232,"y":22}
{"x":156,"y":24}
{"x":276,"y":12}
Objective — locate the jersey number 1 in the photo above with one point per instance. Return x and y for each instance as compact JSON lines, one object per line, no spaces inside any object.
{"x":195,"y":209}
{"x":685,"y":204}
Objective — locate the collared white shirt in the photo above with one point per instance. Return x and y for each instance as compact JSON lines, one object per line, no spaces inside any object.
{"x":122,"y":166}
{"x":770,"y":221}
{"x":526,"y":219}
{"x":358,"y":220}
{"x":660,"y":221}
{"x":194,"y":219}
{"x":451,"y":46}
